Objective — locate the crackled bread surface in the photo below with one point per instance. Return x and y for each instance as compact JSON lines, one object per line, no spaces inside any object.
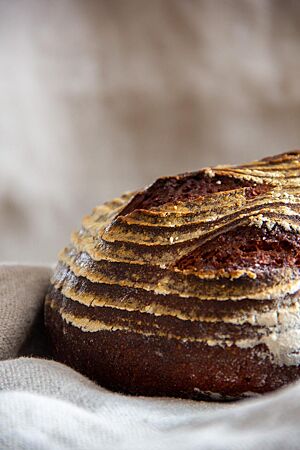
{"x":188,"y":288}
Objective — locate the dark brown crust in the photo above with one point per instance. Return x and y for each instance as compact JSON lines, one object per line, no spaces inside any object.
{"x":189,"y":288}
{"x":187,"y":187}
{"x":245,"y":247}
{"x":145,"y":323}
{"x":190,"y":283}
{"x":211,"y":308}
{"x":139,"y":365}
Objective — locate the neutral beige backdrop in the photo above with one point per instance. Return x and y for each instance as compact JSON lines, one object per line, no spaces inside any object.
{"x":97,"y":97}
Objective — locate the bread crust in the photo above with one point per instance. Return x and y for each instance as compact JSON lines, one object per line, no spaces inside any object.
{"x":189,"y":288}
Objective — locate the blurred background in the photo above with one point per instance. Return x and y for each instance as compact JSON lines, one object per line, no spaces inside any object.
{"x":98,"y":97}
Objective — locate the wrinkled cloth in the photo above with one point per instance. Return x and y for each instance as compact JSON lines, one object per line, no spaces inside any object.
{"x":46,"y":405}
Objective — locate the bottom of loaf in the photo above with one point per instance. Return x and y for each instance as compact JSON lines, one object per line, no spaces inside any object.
{"x":154,"y":366}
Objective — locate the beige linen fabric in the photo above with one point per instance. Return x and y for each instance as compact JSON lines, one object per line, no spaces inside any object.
{"x":22,"y":289}
{"x":45,"y":405}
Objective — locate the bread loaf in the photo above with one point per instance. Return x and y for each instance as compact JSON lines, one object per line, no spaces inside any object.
{"x":188,"y":288}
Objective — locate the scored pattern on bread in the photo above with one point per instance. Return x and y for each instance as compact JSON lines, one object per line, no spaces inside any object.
{"x":209,"y":261}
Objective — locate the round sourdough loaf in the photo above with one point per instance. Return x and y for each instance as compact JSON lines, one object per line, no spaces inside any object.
{"x":188,"y":288}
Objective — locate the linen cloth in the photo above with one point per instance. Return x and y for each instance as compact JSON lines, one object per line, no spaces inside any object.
{"x":46,"y":405}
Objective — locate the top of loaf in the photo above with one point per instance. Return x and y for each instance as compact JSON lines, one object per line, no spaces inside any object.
{"x":225,"y":221}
